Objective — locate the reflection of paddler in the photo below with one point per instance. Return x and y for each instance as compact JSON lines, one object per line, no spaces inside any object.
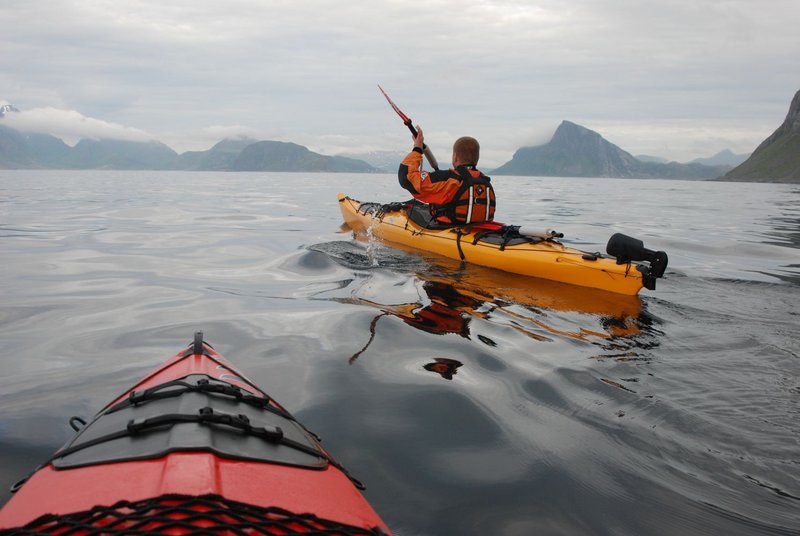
{"x":441,"y":316}
{"x":444,"y":313}
{"x":443,"y":366}
{"x":454,"y":300}
{"x":618,"y":314}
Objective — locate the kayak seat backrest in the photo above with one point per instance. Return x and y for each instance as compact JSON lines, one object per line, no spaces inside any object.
{"x":192,"y":420}
{"x":420,"y":213}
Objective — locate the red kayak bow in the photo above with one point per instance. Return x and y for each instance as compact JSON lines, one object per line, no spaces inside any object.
{"x":193,"y":448}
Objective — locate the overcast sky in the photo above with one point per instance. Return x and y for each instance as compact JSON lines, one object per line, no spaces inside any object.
{"x":679,"y":79}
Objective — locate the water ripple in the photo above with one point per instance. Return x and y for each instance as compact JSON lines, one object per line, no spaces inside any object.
{"x":469,"y":400}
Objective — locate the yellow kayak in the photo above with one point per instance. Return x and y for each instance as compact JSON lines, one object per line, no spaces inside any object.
{"x":629,"y":268}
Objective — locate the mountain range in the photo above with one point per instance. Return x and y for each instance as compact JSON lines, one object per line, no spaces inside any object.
{"x":573,"y":151}
{"x":20,"y":150}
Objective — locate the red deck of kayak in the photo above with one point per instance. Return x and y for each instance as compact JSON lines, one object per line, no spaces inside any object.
{"x":327,"y":493}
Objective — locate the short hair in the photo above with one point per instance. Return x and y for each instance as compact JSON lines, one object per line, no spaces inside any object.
{"x":468,"y":150}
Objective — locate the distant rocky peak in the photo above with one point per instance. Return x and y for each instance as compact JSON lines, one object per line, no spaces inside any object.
{"x":571,"y":136}
{"x":568,"y":129}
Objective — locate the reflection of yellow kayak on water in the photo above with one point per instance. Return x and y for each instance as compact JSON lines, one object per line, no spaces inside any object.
{"x":449,"y":299}
{"x":505,"y":248}
{"x":618,"y":313}
{"x":493,"y":285}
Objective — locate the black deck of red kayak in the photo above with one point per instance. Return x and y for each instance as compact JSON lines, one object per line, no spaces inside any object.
{"x":195,"y":413}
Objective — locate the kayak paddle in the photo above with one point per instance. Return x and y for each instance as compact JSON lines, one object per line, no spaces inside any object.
{"x":410,"y":125}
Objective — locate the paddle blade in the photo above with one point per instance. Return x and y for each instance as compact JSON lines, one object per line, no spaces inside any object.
{"x":408,"y":123}
{"x":403,"y":116}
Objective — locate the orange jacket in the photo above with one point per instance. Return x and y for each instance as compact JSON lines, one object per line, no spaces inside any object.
{"x":437,"y":188}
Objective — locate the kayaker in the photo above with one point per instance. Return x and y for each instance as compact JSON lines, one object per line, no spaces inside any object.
{"x":459,"y":195}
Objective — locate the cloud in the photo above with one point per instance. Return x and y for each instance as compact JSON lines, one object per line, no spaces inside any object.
{"x":71,"y":126}
{"x":501,"y":70}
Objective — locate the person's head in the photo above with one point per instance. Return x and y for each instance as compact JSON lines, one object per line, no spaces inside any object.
{"x":466,"y":152}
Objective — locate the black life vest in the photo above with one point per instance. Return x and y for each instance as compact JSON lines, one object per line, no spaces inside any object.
{"x":474,"y":201}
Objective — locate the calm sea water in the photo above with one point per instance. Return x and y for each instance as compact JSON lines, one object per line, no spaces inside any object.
{"x":469,"y":401}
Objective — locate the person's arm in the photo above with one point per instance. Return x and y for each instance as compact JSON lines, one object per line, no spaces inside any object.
{"x":409,"y":174}
{"x":437,"y":187}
